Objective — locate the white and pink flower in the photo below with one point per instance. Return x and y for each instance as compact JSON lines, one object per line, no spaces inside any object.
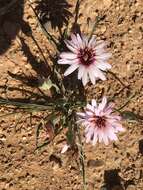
{"x":86,"y":55}
{"x":100,"y":123}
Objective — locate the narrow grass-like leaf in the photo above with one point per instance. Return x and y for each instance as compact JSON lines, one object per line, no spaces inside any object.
{"x":131,"y":116}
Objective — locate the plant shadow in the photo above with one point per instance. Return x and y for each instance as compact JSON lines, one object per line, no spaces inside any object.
{"x":41,"y":68}
{"x":112,"y":179}
{"x":141,"y":146}
{"x":11,"y":18}
{"x":56,"y":13}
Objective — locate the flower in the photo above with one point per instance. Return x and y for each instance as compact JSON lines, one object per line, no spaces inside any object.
{"x":100,"y":122}
{"x":88,"y":56}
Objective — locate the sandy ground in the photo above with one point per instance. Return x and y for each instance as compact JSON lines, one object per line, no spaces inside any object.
{"x":118,"y":166}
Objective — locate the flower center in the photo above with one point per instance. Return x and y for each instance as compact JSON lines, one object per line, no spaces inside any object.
{"x":100,"y":121}
{"x":86,"y":56}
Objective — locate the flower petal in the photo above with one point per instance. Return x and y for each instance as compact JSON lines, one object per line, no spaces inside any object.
{"x":95,"y":138}
{"x":67,"y":62}
{"x":80,"y":41}
{"x":90,"y":107}
{"x":71,"y":69}
{"x":105,"y":139}
{"x":100,"y":45}
{"x":103,"y":66}
{"x":68,"y":55}
{"x":70,"y":42}
{"x":81,"y":71}
{"x":73,"y":49}
{"x":81,"y":114}
{"x":104,"y":56}
{"x":98,"y":73}
{"x":91,"y":75}
{"x":94,"y":103}
{"x":92,"y":41}
{"x":102,"y":105}
{"x":90,"y":134}
{"x":118,"y":127}
{"x":112,"y":136}
{"x":85,"y":78}
{"x":85,"y":40}
{"x":74,"y":40}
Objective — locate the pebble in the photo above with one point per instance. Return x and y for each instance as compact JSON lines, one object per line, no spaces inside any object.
{"x":107,"y":3}
{"x":15,"y":70}
{"x":95,"y":163}
{"x":138,"y":174}
{"x":103,"y":4}
{"x":103,"y":188}
{"x":103,"y":29}
{"x":131,"y":187}
{"x":24,"y":59}
{"x":117,"y":187}
{"x":139,"y":164}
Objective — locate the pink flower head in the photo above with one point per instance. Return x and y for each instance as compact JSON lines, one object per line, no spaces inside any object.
{"x":100,"y":123}
{"x":88,"y":56}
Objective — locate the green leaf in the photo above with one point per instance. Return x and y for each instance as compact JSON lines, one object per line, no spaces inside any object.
{"x":42,"y":145}
{"x":130,"y":116}
{"x":63,"y":121}
{"x":70,"y":137}
{"x":47,"y":85}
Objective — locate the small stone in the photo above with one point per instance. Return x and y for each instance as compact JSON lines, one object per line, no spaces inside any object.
{"x":107,"y":3}
{"x":138,"y":174}
{"x":103,"y":29}
{"x":131,"y":187}
{"x":95,"y":163}
{"x":24,"y":138}
{"x":117,"y":187}
{"x":103,"y":188}
{"x":3,"y":139}
{"x":15,"y":70}
{"x":24,"y":59}
{"x":103,"y":4}
{"x":139,"y":164}
{"x":6,"y":186}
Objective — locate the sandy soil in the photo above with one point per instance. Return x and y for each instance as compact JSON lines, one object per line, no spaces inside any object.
{"x":118,"y":166}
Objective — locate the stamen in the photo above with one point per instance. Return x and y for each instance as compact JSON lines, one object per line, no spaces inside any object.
{"x":100,"y":121}
{"x":86,"y":56}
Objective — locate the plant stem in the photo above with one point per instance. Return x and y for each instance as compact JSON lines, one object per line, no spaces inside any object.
{"x":80,"y":148}
{"x":77,"y":11}
{"x":94,"y":26}
{"x":126,"y":103}
{"x":118,"y":79}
